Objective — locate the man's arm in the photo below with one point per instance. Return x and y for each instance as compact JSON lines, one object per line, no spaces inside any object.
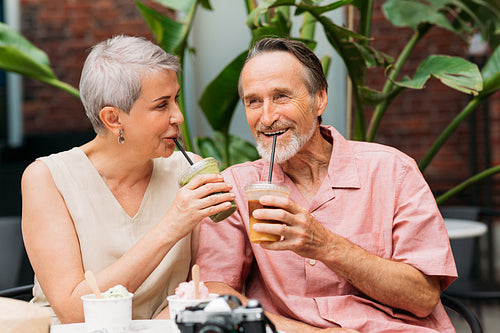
{"x":281,"y":323}
{"x":392,"y":283}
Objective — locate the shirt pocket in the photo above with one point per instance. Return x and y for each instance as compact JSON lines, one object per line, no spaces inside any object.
{"x":377,"y":243}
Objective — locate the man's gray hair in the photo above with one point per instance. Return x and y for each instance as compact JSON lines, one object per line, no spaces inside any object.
{"x":113,"y":71}
{"x":314,"y":78}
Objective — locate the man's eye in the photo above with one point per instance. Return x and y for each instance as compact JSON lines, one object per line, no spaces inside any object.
{"x":281,"y":96}
{"x":253,"y":102}
{"x":176,"y":98}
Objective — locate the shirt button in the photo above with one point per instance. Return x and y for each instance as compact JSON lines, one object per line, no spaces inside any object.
{"x":312,"y":262}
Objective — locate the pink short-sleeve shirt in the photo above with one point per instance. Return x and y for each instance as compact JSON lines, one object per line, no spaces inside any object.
{"x":375,"y":197}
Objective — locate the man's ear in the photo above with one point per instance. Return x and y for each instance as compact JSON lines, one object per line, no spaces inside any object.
{"x":110,"y":117}
{"x":320,"y":101}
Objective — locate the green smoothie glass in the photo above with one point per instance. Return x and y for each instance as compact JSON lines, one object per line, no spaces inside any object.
{"x":207,"y":165}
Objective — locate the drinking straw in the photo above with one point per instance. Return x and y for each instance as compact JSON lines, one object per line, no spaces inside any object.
{"x":183,"y":151}
{"x":272,"y":159}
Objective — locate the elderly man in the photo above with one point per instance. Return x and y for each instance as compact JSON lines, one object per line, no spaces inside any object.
{"x":362,"y":246}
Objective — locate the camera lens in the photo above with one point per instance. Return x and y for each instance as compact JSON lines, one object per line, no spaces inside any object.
{"x":211,"y":329}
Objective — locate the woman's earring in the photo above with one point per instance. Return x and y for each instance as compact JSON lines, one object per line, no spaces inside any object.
{"x":121,"y":139}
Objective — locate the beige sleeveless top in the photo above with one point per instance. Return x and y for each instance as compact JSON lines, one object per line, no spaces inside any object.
{"x":106,"y":231}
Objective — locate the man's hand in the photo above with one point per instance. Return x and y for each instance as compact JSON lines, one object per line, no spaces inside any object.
{"x":301,"y":232}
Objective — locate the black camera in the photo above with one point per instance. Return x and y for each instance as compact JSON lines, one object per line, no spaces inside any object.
{"x":222,"y":315}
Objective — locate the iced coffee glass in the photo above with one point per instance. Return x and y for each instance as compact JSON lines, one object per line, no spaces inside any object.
{"x":254,"y":192}
{"x":207,"y":165}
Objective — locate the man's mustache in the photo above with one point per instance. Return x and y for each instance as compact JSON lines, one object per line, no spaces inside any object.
{"x":279,"y":125}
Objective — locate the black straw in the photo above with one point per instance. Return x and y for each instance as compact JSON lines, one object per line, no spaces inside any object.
{"x":272,"y":159}
{"x":183,"y":151}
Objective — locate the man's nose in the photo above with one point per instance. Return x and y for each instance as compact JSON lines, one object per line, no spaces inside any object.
{"x":269,"y":114}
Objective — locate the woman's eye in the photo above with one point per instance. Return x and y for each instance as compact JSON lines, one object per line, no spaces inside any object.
{"x":162,"y":105}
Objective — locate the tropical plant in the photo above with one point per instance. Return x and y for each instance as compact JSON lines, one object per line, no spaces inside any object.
{"x":274,"y":18}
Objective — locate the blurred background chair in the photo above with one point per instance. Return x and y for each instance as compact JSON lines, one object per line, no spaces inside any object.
{"x":15,"y":269}
{"x":11,"y":251}
{"x":464,"y":312}
{"x":476,"y":283}
{"x":23,"y":293}
{"x":485,"y":215}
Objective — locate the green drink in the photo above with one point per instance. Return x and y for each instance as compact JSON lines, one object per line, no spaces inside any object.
{"x":207,"y":165}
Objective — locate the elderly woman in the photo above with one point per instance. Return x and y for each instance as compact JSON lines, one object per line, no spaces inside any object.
{"x":113,"y":205}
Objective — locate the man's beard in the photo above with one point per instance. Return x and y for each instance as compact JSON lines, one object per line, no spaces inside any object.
{"x":284,"y":150}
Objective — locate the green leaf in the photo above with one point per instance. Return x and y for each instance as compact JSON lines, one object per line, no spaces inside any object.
{"x":207,"y":147}
{"x":10,"y":37}
{"x":206,"y":4}
{"x":220,"y":97}
{"x":491,"y":74}
{"x":356,"y":57}
{"x":168,"y":33}
{"x":492,"y":67}
{"x":410,"y":13}
{"x":12,"y":59}
{"x":20,"y":56}
{"x":239,"y":149}
{"x":456,"y":73}
{"x":183,"y":6}
{"x":371,"y":97}
{"x":279,"y":27}
{"x":313,"y":7}
{"x":254,"y":18}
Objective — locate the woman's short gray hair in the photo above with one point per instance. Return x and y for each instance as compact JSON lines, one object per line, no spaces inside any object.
{"x":113,"y":71}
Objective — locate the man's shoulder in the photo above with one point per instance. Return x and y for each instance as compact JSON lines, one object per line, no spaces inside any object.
{"x":372,"y":150}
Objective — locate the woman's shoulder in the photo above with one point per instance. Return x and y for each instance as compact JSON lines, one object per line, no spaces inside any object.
{"x":36,"y":174}
{"x":36,"y":169}
{"x":71,"y":153}
{"x":43,"y":168}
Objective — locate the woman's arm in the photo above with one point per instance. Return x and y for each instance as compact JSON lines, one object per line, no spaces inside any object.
{"x":53,"y":247}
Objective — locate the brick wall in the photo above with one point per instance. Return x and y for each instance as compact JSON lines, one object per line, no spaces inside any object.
{"x":65,"y":29}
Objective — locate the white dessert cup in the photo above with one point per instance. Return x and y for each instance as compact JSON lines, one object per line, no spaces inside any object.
{"x":176,"y":304}
{"x":112,"y":315}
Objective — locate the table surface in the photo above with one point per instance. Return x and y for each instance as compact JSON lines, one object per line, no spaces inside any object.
{"x":142,"y":326}
{"x":458,"y":228}
{"x":137,"y":326}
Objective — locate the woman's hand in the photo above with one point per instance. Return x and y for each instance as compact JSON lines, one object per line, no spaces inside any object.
{"x":203,"y":196}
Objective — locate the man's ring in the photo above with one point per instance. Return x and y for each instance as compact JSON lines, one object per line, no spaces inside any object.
{"x":283,"y":229}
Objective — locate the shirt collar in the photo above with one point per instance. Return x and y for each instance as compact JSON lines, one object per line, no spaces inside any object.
{"x":342,"y":170}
